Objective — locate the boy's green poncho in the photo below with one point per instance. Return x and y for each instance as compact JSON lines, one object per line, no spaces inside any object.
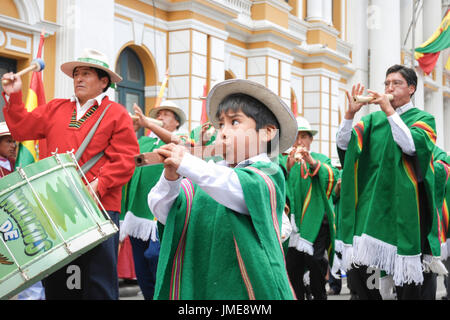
{"x":379,"y":209}
{"x":211,"y":252}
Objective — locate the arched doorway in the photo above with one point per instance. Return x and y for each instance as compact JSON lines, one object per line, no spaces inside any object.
{"x":131,"y":89}
{"x":6,"y":65}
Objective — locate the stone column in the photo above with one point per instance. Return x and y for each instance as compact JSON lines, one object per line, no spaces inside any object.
{"x":79,"y":21}
{"x":432,"y":16}
{"x":327,"y":7}
{"x":314,"y":10}
{"x":384,"y":41}
{"x":358,"y":35}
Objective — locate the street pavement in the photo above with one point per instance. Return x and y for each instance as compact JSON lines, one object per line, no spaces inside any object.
{"x":132,"y":291}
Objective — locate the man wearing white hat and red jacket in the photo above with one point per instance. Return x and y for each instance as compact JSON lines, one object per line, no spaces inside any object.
{"x":65,"y":124}
{"x":7,"y":151}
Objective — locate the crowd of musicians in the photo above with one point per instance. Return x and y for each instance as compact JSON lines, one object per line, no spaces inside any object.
{"x":260,"y":215}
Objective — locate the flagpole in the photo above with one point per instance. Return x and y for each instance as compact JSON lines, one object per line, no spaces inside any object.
{"x":413,"y":36}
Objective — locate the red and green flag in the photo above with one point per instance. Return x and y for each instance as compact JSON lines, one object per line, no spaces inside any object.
{"x":29,"y":150}
{"x":428,"y":53}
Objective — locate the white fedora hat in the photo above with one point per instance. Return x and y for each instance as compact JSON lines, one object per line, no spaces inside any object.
{"x":303,"y":125}
{"x":284,"y":115}
{"x":94,"y":59}
{"x":169,"y":105}
{"x":4,"y":130}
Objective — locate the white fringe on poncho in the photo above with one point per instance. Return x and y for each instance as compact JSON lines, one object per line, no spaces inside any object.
{"x":372,"y":252}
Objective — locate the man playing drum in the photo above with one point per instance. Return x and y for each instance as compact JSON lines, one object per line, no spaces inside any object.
{"x":65,"y":124}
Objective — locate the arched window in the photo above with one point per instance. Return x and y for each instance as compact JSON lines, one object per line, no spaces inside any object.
{"x":6,"y":65}
{"x":131,"y":89}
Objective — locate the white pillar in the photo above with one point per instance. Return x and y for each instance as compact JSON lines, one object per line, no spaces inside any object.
{"x":300,"y":9}
{"x":327,"y":7}
{"x":358,"y":36}
{"x":432,"y":15}
{"x":314,"y":10}
{"x":384,"y":41}
{"x":320,"y":10}
{"x":407,"y":37}
{"x":80,"y":30}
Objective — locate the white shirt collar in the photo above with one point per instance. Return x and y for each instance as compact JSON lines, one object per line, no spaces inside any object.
{"x":4,"y":163}
{"x":259,"y":157}
{"x":153,"y":135}
{"x":81,"y":110}
{"x":401,"y":110}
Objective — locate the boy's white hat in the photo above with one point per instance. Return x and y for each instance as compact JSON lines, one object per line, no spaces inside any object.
{"x":169,"y":105}
{"x":91,"y":58}
{"x":4,"y":130}
{"x":303,"y":125}
{"x":284,"y":115}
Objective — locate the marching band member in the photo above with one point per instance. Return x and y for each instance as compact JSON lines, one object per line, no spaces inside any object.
{"x":139,"y":222}
{"x":7,"y":150}
{"x":65,"y":123}
{"x":310,"y":182}
{"x":221,"y":237}
{"x":387,"y":194}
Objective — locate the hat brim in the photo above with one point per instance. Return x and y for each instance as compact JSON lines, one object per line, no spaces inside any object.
{"x":68,"y":68}
{"x":313,"y":132}
{"x":153,"y":113}
{"x":285,"y":117}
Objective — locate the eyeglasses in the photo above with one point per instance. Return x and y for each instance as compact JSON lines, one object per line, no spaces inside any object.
{"x":395,"y":83}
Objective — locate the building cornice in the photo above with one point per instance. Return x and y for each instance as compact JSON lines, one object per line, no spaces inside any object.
{"x":210,"y":8}
{"x":280,"y":5}
{"x":19,"y":25}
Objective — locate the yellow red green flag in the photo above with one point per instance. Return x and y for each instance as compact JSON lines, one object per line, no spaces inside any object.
{"x":428,"y":53}
{"x":29,"y":150}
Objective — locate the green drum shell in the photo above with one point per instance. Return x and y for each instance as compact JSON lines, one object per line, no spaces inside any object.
{"x":46,"y":222}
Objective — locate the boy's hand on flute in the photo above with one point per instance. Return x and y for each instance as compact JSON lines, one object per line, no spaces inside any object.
{"x":173,"y":155}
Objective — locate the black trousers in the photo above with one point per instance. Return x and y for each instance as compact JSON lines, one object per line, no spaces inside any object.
{"x":96,"y":270}
{"x":425,"y":291}
{"x":297,"y":263}
{"x":358,"y":279}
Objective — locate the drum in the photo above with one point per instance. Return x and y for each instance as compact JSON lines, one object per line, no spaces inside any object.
{"x":47,"y":219}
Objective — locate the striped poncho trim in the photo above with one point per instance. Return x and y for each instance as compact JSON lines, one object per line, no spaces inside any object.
{"x":429,"y":131}
{"x":177,"y":265}
{"x":273,"y":206}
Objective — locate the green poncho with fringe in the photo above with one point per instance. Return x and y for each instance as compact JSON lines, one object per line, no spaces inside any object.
{"x":442,"y":170}
{"x":211,"y":252}
{"x":310,"y":200}
{"x":137,"y":219}
{"x":379,"y":209}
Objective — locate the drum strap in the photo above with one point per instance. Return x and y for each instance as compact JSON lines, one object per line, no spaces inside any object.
{"x":92,"y":161}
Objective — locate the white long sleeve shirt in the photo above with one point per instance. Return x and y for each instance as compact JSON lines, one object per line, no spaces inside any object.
{"x":82,"y":109}
{"x":217,"y":179}
{"x":400,"y":132}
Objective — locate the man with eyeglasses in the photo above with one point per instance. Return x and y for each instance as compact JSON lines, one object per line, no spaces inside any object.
{"x":388,"y":216}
